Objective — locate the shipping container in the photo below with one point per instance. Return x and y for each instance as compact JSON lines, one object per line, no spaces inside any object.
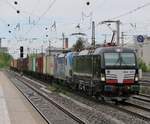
{"x":30,"y":63}
{"x":44,"y":64}
{"x":69,"y":64}
{"x":50,"y":65}
{"x":18,"y":64}
{"x":12,"y":63}
{"x":15,"y":63}
{"x":60,"y":67}
{"x":39,"y":64}
{"x":34,"y":64}
{"x":24,"y":64}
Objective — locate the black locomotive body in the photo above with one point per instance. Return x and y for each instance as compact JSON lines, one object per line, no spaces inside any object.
{"x":111,"y":73}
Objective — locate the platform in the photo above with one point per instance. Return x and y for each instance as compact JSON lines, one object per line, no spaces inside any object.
{"x":14,"y":108}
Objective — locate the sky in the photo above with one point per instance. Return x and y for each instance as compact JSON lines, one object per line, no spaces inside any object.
{"x":42,"y":20}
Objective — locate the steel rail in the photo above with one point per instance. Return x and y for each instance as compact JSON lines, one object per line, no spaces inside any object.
{"x":145,"y":95}
{"x":44,"y":117}
{"x":141,"y":116}
{"x":142,"y":99}
{"x":67,"y":112}
{"x":135,"y":114}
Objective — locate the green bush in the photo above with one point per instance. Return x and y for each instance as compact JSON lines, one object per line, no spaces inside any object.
{"x":143,"y":66}
{"x":5,"y":59}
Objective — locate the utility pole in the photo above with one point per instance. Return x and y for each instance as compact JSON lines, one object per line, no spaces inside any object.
{"x":93,"y":34}
{"x":28,"y":50}
{"x":42,"y":49}
{"x":63,"y":38}
{"x":118,"y":32}
{"x":122,"y":38}
{"x":49,"y":47}
{"x":36,"y":52}
{"x":105,"y":36}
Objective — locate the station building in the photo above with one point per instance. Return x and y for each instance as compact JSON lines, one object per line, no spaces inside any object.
{"x":142,"y":48}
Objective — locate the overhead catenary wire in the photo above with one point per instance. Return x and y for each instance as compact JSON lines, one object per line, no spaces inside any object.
{"x":28,"y":13}
{"x":136,"y":28}
{"x":21,"y":11}
{"x":35,"y":6}
{"x":42,"y":15}
{"x":128,"y":13}
{"x":5,"y":23}
{"x":90,"y":15}
{"x":131,"y":11}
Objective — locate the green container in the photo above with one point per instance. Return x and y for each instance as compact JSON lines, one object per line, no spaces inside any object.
{"x":32,"y":62}
{"x":50,"y":65}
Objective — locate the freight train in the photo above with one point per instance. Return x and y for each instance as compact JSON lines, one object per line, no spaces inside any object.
{"x":110,"y":73}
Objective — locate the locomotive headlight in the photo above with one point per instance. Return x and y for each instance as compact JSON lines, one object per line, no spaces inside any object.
{"x":136,"y":78}
{"x":102,"y":77}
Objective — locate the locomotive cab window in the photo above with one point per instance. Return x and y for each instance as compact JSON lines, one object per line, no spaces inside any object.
{"x":111,"y":59}
{"x":119,"y":59}
{"x":128,"y":59}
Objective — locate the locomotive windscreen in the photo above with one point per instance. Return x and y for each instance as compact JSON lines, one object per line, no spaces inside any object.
{"x":119,"y":59}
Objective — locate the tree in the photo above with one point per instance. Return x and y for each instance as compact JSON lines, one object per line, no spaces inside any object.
{"x":142,"y":65}
{"x":5,"y":60}
{"x":79,"y":45}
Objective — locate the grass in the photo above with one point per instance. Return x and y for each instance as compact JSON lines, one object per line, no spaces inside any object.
{"x":58,"y":88}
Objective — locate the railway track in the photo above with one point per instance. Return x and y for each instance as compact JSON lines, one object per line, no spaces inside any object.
{"x":74,"y":119}
{"x":142,"y":97}
{"x":130,"y":109}
{"x":145,"y":79}
{"x":141,"y":112}
{"x":145,"y":82}
{"x":135,"y":110}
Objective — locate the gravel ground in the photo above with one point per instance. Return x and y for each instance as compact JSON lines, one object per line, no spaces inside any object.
{"x":111,"y":113}
{"x":141,"y":103}
{"x":93,"y":112}
{"x":145,"y":90}
{"x":53,"y":114}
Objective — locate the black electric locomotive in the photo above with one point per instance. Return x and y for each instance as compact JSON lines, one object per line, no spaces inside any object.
{"x":107,"y":72}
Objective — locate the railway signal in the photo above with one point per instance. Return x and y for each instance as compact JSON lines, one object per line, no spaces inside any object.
{"x":21,"y":51}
